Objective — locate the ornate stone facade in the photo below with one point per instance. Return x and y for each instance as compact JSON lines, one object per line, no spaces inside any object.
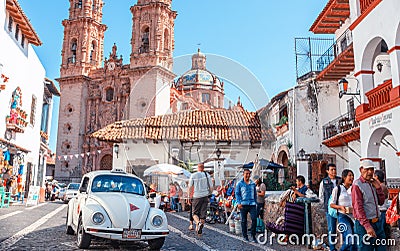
{"x":95,"y":95}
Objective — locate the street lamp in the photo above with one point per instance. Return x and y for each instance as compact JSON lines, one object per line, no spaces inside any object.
{"x":116,"y":149}
{"x":218,"y":153}
{"x":343,"y":88}
{"x":303,"y":156}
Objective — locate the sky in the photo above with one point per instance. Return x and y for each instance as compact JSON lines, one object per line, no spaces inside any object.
{"x":257,"y":35}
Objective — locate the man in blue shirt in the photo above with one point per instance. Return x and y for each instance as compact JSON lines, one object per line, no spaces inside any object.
{"x":246,"y":198}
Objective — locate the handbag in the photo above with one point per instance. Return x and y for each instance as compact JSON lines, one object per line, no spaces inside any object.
{"x":392,"y":214}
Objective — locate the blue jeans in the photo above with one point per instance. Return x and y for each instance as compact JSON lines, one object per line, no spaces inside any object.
{"x":331,"y":230}
{"x":361,"y":232}
{"x":260,"y":207}
{"x":346,"y":226}
{"x":243,"y":216}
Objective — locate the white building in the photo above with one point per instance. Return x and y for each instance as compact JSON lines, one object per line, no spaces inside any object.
{"x":24,"y":90}
{"x":367,"y":55}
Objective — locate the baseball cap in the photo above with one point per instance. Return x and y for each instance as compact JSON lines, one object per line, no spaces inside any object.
{"x":366,"y":163}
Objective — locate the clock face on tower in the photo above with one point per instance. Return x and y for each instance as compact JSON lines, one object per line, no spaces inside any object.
{"x":111,"y":66}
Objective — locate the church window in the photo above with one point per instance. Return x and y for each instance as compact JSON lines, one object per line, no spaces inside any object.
{"x":33,"y":110}
{"x":69,"y":109}
{"x":65,"y":164}
{"x":10,"y":24}
{"x":92,"y":52}
{"x":145,"y":41}
{"x":23,"y":40}
{"x":78,"y":5}
{"x":185,"y":106}
{"x":74,"y":45}
{"x":17,"y":32}
{"x":205,"y":98}
{"x":67,"y":128}
{"x":166,"y":40}
{"x":109,"y":94}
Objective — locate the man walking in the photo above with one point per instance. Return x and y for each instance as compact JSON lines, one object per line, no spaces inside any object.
{"x":246,"y":198}
{"x":325,"y":190}
{"x":200,"y":186}
{"x":367,"y":194}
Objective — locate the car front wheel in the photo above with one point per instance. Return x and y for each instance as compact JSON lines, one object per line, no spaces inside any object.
{"x":83,"y":239}
{"x":156,"y":244}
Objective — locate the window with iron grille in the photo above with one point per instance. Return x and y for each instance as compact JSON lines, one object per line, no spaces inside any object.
{"x":17,"y":32}
{"x":33,"y":110}
{"x":10,"y":24}
{"x":23,"y":40}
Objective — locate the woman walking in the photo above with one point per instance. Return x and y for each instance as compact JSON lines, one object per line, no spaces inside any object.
{"x":341,"y":201}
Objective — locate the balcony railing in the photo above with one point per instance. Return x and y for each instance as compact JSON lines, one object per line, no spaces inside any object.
{"x":379,"y":95}
{"x":341,"y":124}
{"x":340,"y":45}
{"x":365,"y":4}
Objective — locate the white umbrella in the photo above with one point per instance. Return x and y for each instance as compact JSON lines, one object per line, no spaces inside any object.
{"x":166,"y":169}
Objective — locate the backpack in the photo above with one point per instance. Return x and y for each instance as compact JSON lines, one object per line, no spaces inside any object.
{"x":260,"y":228}
{"x":331,"y":211}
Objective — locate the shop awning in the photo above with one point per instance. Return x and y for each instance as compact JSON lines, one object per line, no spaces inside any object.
{"x":8,"y":144}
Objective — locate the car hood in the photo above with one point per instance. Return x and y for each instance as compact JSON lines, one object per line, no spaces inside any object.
{"x":124,"y":208}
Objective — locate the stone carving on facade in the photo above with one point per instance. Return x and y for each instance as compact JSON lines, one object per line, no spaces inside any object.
{"x":107,"y":115}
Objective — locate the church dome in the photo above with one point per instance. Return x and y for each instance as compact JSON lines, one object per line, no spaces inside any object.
{"x":199,"y":76}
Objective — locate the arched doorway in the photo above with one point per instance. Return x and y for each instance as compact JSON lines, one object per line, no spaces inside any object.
{"x":382,"y":145}
{"x":106,"y":162}
{"x":283,"y":159}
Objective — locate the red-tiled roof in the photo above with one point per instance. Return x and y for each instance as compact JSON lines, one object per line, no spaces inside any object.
{"x":190,"y":126}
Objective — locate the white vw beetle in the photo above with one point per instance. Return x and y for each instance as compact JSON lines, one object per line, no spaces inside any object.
{"x":114,"y":205}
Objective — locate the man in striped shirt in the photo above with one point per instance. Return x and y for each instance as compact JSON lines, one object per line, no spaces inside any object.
{"x":367,"y":195}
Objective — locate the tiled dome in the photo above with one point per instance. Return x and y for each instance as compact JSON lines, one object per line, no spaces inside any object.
{"x":199,"y":75}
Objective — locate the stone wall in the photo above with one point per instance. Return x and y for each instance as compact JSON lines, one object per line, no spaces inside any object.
{"x":272,"y":211}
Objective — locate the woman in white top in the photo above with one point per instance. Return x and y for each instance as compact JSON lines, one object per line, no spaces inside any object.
{"x":343,"y":204}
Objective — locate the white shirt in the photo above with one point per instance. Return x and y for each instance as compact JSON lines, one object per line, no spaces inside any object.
{"x":344,"y":197}
{"x":199,"y":182}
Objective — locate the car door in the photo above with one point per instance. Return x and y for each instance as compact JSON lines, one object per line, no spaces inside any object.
{"x":80,"y":199}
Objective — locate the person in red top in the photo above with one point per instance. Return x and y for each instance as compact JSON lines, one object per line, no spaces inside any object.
{"x":367,"y":195}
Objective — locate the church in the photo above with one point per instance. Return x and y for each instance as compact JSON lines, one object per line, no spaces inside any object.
{"x":143,"y":104}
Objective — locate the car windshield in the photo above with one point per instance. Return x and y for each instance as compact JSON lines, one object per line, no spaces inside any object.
{"x":73,"y":186}
{"x":117,"y":183}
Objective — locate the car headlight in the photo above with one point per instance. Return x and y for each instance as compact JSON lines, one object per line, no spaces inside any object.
{"x":157,"y":221}
{"x":98,"y":218}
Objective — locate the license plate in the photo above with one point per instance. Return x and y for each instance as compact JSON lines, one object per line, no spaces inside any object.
{"x":131,"y":233}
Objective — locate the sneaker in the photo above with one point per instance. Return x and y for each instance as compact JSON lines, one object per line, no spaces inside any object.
{"x":190,"y":227}
{"x":200,"y":228}
{"x":255,"y":240}
{"x":246,"y":239}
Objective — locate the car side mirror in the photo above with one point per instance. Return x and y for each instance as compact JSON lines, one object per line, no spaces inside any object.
{"x":82,"y":189}
{"x":152,"y":195}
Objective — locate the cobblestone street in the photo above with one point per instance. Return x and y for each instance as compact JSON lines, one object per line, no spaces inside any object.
{"x":43,"y":228}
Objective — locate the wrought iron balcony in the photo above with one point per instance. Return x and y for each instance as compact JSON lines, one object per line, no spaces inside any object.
{"x":340,"y":45}
{"x":339,"y":125}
